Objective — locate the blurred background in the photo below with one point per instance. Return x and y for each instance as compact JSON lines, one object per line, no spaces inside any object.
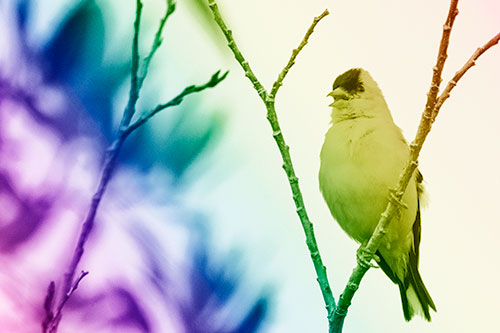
{"x":197,"y":231}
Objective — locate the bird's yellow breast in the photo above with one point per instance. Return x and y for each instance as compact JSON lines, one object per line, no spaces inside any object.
{"x":361,"y":160}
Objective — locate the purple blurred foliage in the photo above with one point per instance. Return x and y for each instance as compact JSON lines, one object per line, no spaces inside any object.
{"x":132,"y":313}
{"x":126,"y":309}
{"x":51,"y":105}
{"x":32,"y":213}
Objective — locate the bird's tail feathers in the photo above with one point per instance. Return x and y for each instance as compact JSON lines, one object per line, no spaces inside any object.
{"x":414,"y":295}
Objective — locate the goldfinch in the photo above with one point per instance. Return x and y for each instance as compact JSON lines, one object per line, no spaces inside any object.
{"x":361,"y":159}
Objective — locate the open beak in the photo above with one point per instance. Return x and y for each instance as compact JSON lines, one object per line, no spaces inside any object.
{"x":330,"y":94}
{"x":338,"y":94}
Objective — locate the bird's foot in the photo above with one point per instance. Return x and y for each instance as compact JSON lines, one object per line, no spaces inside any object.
{"x":363,"y":257}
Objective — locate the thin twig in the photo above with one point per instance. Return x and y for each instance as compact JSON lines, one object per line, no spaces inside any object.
{"x":284,"y":149}
{"x":134,"y":78}
{"x":77,"y":282}
{"x":47,"y":306}
{"x":87,"y":226}
{"x":214,"y":80}
{"x":156,"y":43}
{"x":237,"y":54}
{"x":58,"y":314}
{"x":279,"y":81}
{"x":432,"y":107}
{"x":53,"y":318}
{"x":108,"y":168}
{"x":460,"y":73}
{"x":441,"y":59}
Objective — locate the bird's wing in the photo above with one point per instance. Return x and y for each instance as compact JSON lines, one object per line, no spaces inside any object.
{"x":417,"y":228}
{"x":421,"y":298}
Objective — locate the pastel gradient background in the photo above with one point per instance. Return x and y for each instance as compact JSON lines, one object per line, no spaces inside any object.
{"x":197,"y":232}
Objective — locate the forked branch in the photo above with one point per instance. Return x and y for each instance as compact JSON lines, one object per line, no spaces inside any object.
{"x":430,"y":113}
{"x":53,"y":310}
{"x":269,"y":101}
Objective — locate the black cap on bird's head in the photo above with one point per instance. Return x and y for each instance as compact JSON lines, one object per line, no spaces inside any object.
{"x":354,"y":84}
{"x":350,"y":81}
{"x":356,"y":90}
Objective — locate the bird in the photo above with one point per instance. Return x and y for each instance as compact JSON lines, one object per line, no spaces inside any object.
{"x":362,"y":157}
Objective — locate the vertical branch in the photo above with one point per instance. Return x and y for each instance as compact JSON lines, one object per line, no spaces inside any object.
{"x":156,"y":42}
{"x":134,"y":79}
{"x":47,"y":306}
{"x":108,"y":168}
{"x":431,"y":110}
{"x":109,"y":165}
{"x":396,"y":195}
{"x":269,"y":101}
{"x":87,"y":226}
{"x":437,"y":70}
{"x":231,"y":43}
{"x":52,"y":318}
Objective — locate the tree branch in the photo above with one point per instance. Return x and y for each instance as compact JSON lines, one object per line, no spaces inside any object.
{"x":279,"y":81}
{"x":237,"y":54}
{"x":269,"y":101}
{"x":431,"y":110}
{"x":53,"y":318}
{"x":458,"y":75}
{"x":47,"y":306}
{"x":214,"y":80}
{"x":441,"y":59}
{"x":397,"y":194}
{"x":156,"y":43}
{"x":58,"y":314}
{"x":134,"y":79}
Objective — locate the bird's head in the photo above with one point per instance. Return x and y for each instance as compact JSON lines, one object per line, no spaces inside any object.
{"x":355,"y":92}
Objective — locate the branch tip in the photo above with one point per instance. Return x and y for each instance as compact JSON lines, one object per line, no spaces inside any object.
{"x":325,"y":12}
{"x":215,"y":79}
{"x":279,"y":81}
{"x":461,"y":72}
{"x":171,"y":6}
